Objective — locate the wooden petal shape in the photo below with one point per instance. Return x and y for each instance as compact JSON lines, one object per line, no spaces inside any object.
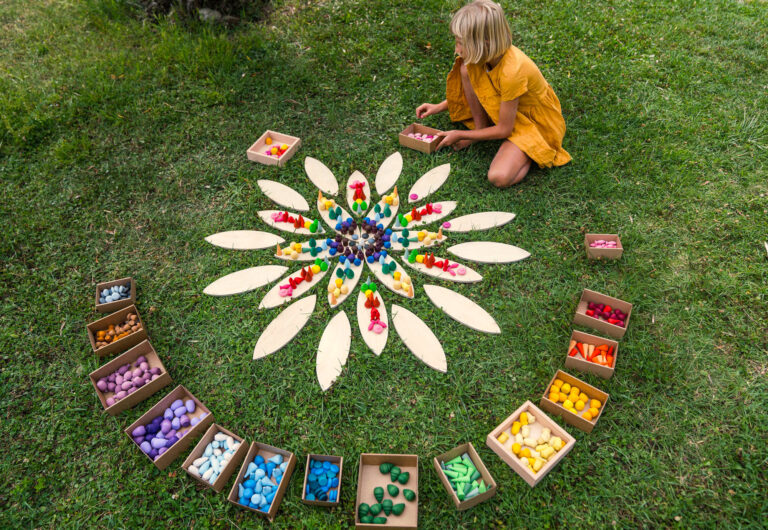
{"x":356,"y":176}
{"x":273,"y":298}
{"x":305,"y":254}
{"x":389,"y":281}
{"x":488,"y":252}
{"x":418,"y":338}
{"x":244,"y":240}
{"x":326,"y":216}
{"x":284,"y":327}
{"x":283,"y":195}
{"x":479,"y":221}
{"x":321,"y":176}
{"x":389,"y":172}
{"x":333,"y":350}
{"x":469,"y":276}
{"x":245,"y":280}
{"x":447,"y":208}
{"x":266,"y":216}
{"x":350,"y":283}
{"x":426,"y":242}
{"x":375,"y":341}
{"x":462,"y":309}
{"x":430,"y":182}
{"x":384,"y":221}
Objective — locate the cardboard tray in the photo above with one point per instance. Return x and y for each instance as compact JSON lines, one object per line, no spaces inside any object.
{"x":601,"y":325}
{"x":339,"y":461}
{"x":419,"y":145}
{"x":170,"y":455}
{"x":569,"y":417}
{"x":484,"y":474}
{"x":255,"y":153}
{"x":267,"y":451}
{"x":197,"y":452}
{"x":119,"y":304}
{"x":504,"y":450}
{"x":582,"y":365}
{"x":143,"y":348}
{"x":369,"y":477}
{"x":119,"y":345}
{"x":607,"y":253}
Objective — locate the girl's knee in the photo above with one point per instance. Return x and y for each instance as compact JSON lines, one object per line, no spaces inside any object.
{"x":499,"y":178}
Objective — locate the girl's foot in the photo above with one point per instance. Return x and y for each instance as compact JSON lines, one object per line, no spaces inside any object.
{"x":461,"y":144}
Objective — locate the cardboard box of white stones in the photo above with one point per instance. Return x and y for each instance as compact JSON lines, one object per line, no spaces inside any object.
{"x":117,"y":304}
{"x":153,"y":360}
{"x":504,"y":450}
{"x":216,"y":433}
{"x":170,"y":455}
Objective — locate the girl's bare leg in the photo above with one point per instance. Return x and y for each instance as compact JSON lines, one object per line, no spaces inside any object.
{"x":509,"y":166}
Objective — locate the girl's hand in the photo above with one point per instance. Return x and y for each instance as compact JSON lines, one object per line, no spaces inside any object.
{"x":450,"y":138}
{"x":426,"y":109}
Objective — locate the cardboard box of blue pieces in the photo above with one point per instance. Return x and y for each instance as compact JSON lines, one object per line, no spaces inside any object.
{"x":322,"y":480}
{"x":263,"y":479}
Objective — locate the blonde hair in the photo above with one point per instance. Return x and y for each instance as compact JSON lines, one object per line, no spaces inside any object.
{"x":483,"y":31}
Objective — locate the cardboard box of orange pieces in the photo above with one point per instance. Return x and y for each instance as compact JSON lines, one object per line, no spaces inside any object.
{"x":592,"y":354}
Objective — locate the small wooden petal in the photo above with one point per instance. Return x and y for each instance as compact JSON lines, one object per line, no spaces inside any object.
{"x":333,"y":350}
{"x":397,"y":246}
{"x":284,"y":327}
{"x":384,"y":220}
{"x":327,"y":218}
{"x":244,"y":240}
{"x":351,"y":283}
{"x":375,"y":341}
{"x":389,"y":281}
{"x":389,"y":172}
{"x":321,"y":176}
{"x":479,"y":221}
{"x":266,"y":216}
{"x":418,"y":338}
{"x":469,"y":276}
{"x":462,"y":309}
{"x":447,"y":208}
{"x":283,"y":195}
{"x":245,"y":280}
{"x":488,"y":252}
{"x":273,"y":298}
{"x":430,"y":182}
{"x":304,"y":256}
{"x":358,"y":177}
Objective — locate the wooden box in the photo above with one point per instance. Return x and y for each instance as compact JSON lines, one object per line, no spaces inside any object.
{"x":484,"y":474}
{"x":420,"y":145}
{"x":583,"y":365}
{"x":339,"y":461}
{"x":505,"y":450}
{"x":118,"y":317}
{"x":582,"y":318}
{"x":573,"y":419}
{"x":197,"y":452}
{"x":256,"y":152}
{"x":603,"y":253}
{"x":369,"y":477}
{"x":118,"y":304}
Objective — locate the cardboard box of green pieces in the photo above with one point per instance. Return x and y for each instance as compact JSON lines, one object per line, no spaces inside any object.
{"x":387,"y":492}
{"x":464,"y":476}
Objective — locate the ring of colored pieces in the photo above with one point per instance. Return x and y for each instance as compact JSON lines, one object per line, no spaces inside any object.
{"x":602,"y":354}
{"x":372,"y":303}
{"x":422,"y":136}
{"x":429,"y":261}
{"x":607,"y":313}
{"x":127,"y":379}
{"x":113,"y":333}
{"x":369,"y":514}
{"x":416,"y":215}
{"x":157,"y":436}
{"x":602,"y":243}
{"x":574,"y":400}
{"x":297,"y":222}
{"x":405,"y":238}
{"x":275,"y":151}
{"x":261,"y":480}
{"x":322,"y":482}
{"x":464,"y":477}
{"x":215,"y":458}
{"x":533,"y":452}
{"x":115,"y":293}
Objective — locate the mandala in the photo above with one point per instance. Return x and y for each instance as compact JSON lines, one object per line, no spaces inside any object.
{"x":360,"y":244}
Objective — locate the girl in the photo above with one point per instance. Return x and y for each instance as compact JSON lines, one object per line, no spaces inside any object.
{"x":499,"y":93}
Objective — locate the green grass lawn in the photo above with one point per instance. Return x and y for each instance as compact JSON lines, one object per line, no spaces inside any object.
{"x":122,"y":145}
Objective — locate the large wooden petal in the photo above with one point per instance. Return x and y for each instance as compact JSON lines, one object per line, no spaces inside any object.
{"x":244,"y":240}
{"x":447,"y":207}
{"x":273,"y":298}
{"x":350,"y":283}
{"x":333,"y":350}
{"x":283,"y":195}
{"x":266,"y":216}
{"x":469,"y":275}
{"x":418,"y":338}
{"x":389,"y":172}
{"x":429,"y":182}
{"x":478,"y":221}
{"x":375,"y":341}
{"x":488,"y":252}
{"x":462,"y":309}
{"x":389,"y":281}
{"x":245,"y":280}
{"x":284,"y":327}
{"x":321,"y":176}
{"x":356,"y":176}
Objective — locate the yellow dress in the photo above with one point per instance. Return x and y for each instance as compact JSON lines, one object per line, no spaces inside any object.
{"x":539,"y":124}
